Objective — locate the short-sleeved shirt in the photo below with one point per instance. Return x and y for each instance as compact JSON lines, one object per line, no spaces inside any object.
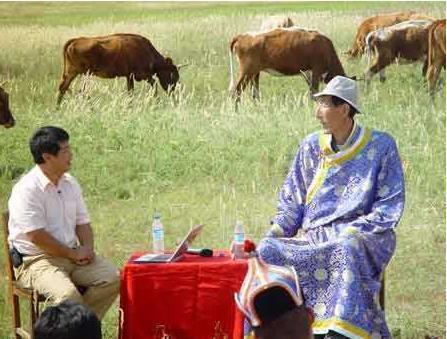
{"x":36,"y":203}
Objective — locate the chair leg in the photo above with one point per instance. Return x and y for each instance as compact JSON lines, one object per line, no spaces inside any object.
{"x":33,"y":313}
{"x":15,"y":314}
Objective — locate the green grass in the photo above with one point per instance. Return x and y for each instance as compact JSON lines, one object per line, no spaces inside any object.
{"x":197,"y":160}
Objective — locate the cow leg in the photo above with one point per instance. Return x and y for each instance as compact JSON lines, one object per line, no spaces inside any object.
{"x":151,"y":81}
{"x":382,"y":76}
{"x":432,"y":77}
{"x":255,"y":87}
{"x":241,"y":83}
{"x":316,"y":77}
{"x":425,"y":67}
{"x":378,"y":66}
{"x":130,"y":82}
{"x":64,"y":84}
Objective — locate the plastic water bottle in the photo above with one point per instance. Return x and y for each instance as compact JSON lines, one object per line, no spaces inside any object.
{"x":158,"y":235}
{"x":238,"y":241}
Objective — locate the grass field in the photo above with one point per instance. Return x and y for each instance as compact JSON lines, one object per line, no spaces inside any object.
{"x":197,"y":160}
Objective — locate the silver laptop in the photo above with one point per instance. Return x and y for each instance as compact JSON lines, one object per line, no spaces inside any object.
{"x":179,"y":251}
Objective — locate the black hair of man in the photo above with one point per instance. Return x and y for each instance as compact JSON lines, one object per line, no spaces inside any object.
{"x":68,"y":320}
{"x":336,"y":101}
{"x":47,"y":140}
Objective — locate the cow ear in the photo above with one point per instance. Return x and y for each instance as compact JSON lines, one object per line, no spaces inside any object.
{"x":168,"y":61}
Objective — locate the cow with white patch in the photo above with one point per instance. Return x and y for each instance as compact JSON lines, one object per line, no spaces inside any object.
{"x":286,"y":52}
{"x":379,"y":21}
{"x":404,"y":42}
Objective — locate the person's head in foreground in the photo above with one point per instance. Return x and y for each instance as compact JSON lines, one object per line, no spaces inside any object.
{"x":67,"y":320}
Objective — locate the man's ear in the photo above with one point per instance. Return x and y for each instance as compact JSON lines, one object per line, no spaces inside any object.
{"x":346,"y":109}
{"x":46,"y":157}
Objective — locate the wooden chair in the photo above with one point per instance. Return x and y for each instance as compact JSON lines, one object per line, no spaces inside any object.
{"x":16,"y":292}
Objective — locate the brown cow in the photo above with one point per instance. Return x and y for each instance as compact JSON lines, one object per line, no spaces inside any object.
{"x":283,"y":51}
{"x":407,"y":40}
{"x":6,"y":118}
{"x":380,"y":21}
{"x":128,"y":55}
{"x":436,"y":53}
{"x":276,"y":22}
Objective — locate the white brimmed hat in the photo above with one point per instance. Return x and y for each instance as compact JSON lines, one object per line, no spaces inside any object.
{"x":343,"y":88}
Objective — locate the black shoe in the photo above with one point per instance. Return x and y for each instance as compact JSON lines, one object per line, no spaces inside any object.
{"x":334,"y":335}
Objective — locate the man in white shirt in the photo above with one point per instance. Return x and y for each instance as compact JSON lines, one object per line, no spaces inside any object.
{"x":50,"y":228}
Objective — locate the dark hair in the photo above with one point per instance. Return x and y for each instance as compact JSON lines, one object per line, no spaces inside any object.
{"x":46,"y":140}
{"x":336,"y":101}
{"x":68,"y":320}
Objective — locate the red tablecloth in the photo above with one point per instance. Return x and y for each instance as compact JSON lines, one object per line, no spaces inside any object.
{"x":192,"y":298}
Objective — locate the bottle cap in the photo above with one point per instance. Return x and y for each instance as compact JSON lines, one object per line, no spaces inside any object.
{"x":157,"y":215}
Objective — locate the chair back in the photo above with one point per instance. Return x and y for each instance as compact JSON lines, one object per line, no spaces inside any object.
{"x":8,"y":262}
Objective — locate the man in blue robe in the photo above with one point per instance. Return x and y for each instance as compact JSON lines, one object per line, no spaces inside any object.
{"x":337,"y":210}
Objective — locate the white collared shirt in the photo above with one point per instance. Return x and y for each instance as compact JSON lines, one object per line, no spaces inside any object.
{"x":36,"y":203}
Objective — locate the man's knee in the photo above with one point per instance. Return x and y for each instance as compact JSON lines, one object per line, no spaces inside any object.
{"x":110,"y":275}
{"x":70,"y":293}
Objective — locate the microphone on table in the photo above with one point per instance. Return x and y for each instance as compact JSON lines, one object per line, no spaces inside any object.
{"x":203,"y":252}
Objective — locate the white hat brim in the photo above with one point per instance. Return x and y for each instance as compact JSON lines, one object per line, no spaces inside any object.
{"x":334,"y":94}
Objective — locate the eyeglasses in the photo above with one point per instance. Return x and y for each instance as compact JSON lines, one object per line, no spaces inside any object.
{"x":326,"y":103}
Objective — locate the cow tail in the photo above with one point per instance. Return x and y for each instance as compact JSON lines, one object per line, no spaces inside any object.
{"x":369,"y":49}
{"x":431,"y":36}
{"x":65,"y":55}
{"x":230,"y":54}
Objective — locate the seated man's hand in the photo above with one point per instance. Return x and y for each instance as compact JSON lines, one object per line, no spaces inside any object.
{"x":83,"y":255}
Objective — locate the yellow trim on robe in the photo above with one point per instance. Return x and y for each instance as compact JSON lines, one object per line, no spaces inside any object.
{"x":327,"y":162}
{"x":351,"y":154}
{"x":318,"y":181}
{"x":333,"y":323}
{"x":325,"y":144}
{"x":251,"y":335}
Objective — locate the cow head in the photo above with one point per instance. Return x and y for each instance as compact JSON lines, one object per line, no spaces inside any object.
{"x":167,"y":74}
{"x":6,"y":118}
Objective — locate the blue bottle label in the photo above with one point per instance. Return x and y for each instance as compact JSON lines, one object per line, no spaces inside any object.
{"x":239,"y":237}
{"x":158,"y":234}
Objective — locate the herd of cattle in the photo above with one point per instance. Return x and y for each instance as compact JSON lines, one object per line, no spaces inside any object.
{"x":279,"y":48}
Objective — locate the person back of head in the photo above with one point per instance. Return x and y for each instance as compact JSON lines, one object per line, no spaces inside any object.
{"x":67,"y":320}
{"x":47,"y":140}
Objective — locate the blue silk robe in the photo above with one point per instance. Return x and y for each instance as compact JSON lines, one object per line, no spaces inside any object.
{"x":346,"y":204}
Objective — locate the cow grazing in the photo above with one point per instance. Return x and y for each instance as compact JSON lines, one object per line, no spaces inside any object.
{"x":407,"y":41}
{"x":276,"y":22}
{"x":380,"y":21}
{"x":436,"y":53}
{"x":117,"y":55}
{"x":283,"y":51}
{"x":6,"y":118}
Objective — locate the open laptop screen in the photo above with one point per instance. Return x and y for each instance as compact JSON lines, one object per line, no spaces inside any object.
{"x":179,"y":251}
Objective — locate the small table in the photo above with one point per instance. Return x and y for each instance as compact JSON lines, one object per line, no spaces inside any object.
{"x":192,"y":298}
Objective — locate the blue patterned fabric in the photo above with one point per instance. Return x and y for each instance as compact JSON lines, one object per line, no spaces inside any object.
{"x":346,"y":205}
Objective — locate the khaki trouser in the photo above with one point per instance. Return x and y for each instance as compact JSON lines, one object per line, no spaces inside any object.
{"x":56,"y":277}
